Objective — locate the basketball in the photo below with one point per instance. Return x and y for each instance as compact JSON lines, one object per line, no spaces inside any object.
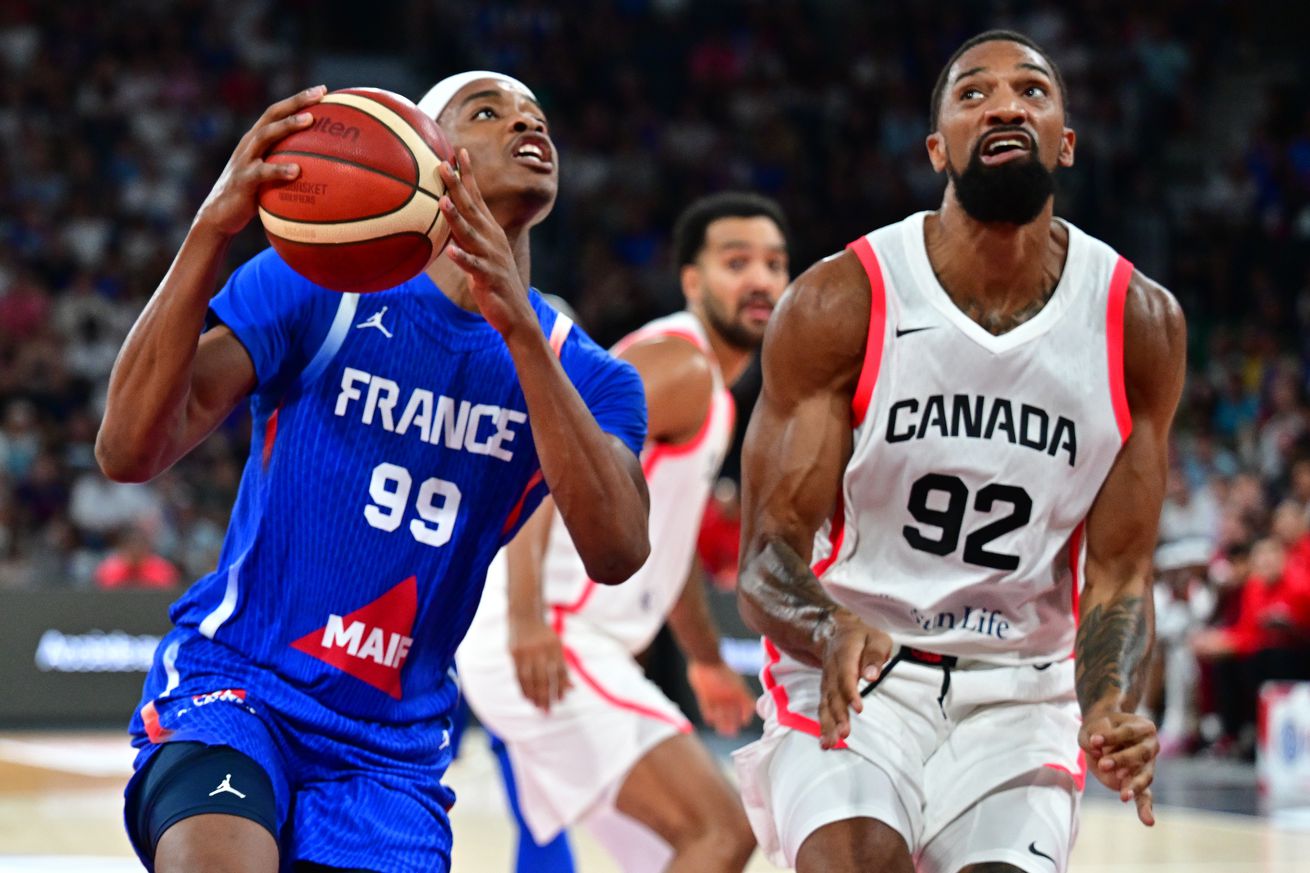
{"x":362,"y":215}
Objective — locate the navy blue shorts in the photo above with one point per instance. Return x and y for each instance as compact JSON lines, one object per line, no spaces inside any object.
{"x":341,"y":794}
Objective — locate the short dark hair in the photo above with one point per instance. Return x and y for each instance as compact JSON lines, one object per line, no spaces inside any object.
{"x":939,"y":90}
{"x":689,"y":229}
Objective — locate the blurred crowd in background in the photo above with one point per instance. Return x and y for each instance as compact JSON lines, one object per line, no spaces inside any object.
{"x":1193,"y":158}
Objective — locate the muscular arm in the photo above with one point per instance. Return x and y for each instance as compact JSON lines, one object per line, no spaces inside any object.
{"x":538,"y":655}
{"x":167,"y":390}
{"x":677,"y":383}
{"x":1115,"y":623}
{"x":595,"y":480}
{"x":797,"y":445}
{"x":725,"y":703}
{"x":690,"y":621}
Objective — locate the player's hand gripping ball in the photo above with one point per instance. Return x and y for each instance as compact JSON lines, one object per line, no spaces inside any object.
{"x":363,"y":213}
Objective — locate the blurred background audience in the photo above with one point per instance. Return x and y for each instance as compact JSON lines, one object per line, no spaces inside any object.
{"x":1193,"y":159}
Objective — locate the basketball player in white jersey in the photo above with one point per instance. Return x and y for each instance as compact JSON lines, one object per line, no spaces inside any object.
{"x":591,"y":739}
{"x":951,"y":489}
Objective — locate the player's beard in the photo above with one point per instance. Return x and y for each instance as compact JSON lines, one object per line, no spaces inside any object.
{"x":738,"y":335}
{"x":1012,"y":193}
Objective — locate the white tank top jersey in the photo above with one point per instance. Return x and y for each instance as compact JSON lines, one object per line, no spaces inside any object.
{"x":959,"y":527}
{"x":679,"y":478}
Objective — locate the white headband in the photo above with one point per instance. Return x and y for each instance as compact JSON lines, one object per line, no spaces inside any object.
{"x":434,"y":102}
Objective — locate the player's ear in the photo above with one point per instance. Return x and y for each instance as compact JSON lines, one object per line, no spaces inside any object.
{"x":690,"y":277}
{"x":936,"y":145}
{"x":1067,"y":141}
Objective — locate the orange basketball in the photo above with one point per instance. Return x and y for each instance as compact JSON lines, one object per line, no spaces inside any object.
{"x":362,"y":215}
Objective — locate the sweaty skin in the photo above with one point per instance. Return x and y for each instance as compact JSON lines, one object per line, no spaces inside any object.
{"x":799,"y":440}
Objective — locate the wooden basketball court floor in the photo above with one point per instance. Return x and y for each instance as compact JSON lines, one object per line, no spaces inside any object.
{"x":60,"y":807}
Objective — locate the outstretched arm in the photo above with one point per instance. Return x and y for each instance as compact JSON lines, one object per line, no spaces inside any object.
{"x":595,"y":480}
{"x":167,"y":391}
{"x":797,"y":448}
{"x":1115,"y":625}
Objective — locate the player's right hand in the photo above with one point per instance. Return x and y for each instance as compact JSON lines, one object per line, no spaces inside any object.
{"x":539,"y":663}
{"x":231,"y":203}
{"x":851,"y":651}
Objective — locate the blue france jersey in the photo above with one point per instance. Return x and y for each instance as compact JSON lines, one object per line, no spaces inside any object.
{"x":391,"y":457}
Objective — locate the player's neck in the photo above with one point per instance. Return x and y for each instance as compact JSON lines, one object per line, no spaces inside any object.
{"x":454,"y":282}
{"x":1001,"y":268}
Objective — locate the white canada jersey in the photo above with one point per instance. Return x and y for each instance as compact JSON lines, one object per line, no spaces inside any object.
{"x":679,"y":478}
{"x":976,"y":457}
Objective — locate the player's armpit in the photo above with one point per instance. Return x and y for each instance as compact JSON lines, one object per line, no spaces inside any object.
{"x":1114,"y":632}
{"x":797,"y":447}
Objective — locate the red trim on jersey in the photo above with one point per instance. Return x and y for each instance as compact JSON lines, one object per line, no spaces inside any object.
{"x":1080,"y":777}
{"x":270,"y":435}
{"x":571,"y":657}
{"x":559,"y":332}
{"x":836,"y":533}
{"x":642,"y":334}
{"x":877,"y":327}
{"x":513,"y":517}
{"x":1114,"y":341}
{"x":150,"y":718}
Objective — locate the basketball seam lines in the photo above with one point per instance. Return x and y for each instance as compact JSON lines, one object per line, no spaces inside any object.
{"x":414,"y":189}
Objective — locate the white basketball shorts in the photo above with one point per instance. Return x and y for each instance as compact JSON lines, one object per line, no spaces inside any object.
{"x":985,"y":767}
{"x":571,"y":762}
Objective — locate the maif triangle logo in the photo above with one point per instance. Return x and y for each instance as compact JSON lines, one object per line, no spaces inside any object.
{"x":372,"y":642}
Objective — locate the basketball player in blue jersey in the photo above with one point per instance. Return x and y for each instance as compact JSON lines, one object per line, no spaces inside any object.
{"x":296,"y":717}
{"x":952,"y":484}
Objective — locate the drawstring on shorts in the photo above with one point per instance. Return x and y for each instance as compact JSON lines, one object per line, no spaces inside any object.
{"x":947,"y":663}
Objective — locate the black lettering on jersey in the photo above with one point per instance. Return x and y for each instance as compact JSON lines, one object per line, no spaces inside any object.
{"x":915,"y":419}
{"x":1028,"y":415}
{"x":966,"y":421}
{"x":997,"y":421}
{"x":1065,"y":437}
{"x":910,"y":407}
{"x":934,"y":415}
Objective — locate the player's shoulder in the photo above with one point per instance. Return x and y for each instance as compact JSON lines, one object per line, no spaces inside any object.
{"x":822,"y":321}
{"x":1154,"y":336}
{"x":1151,"y":305}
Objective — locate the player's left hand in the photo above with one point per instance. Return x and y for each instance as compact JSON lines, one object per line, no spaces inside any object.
{"x":479,"y":247}
{"x":1121,"y":749}
{"x":725,"y":702}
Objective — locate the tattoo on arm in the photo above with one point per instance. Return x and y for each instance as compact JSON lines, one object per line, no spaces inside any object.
{"x":1110,"y":651}
{"x":788,"y":598}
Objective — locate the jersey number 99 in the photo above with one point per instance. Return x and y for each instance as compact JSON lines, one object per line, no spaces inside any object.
{"x":437,"y":504}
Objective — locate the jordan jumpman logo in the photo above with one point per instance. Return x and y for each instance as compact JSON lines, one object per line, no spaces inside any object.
{"x":375,"y":320}
{"x":226,"y":785}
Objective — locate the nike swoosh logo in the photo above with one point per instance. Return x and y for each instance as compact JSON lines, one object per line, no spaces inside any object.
{"x":900,"y":332}
{"x":1032,"y":847}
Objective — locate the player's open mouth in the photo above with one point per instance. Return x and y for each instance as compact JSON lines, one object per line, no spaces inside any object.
{"x":534,"y":151}
{"x":1002,"y":147}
